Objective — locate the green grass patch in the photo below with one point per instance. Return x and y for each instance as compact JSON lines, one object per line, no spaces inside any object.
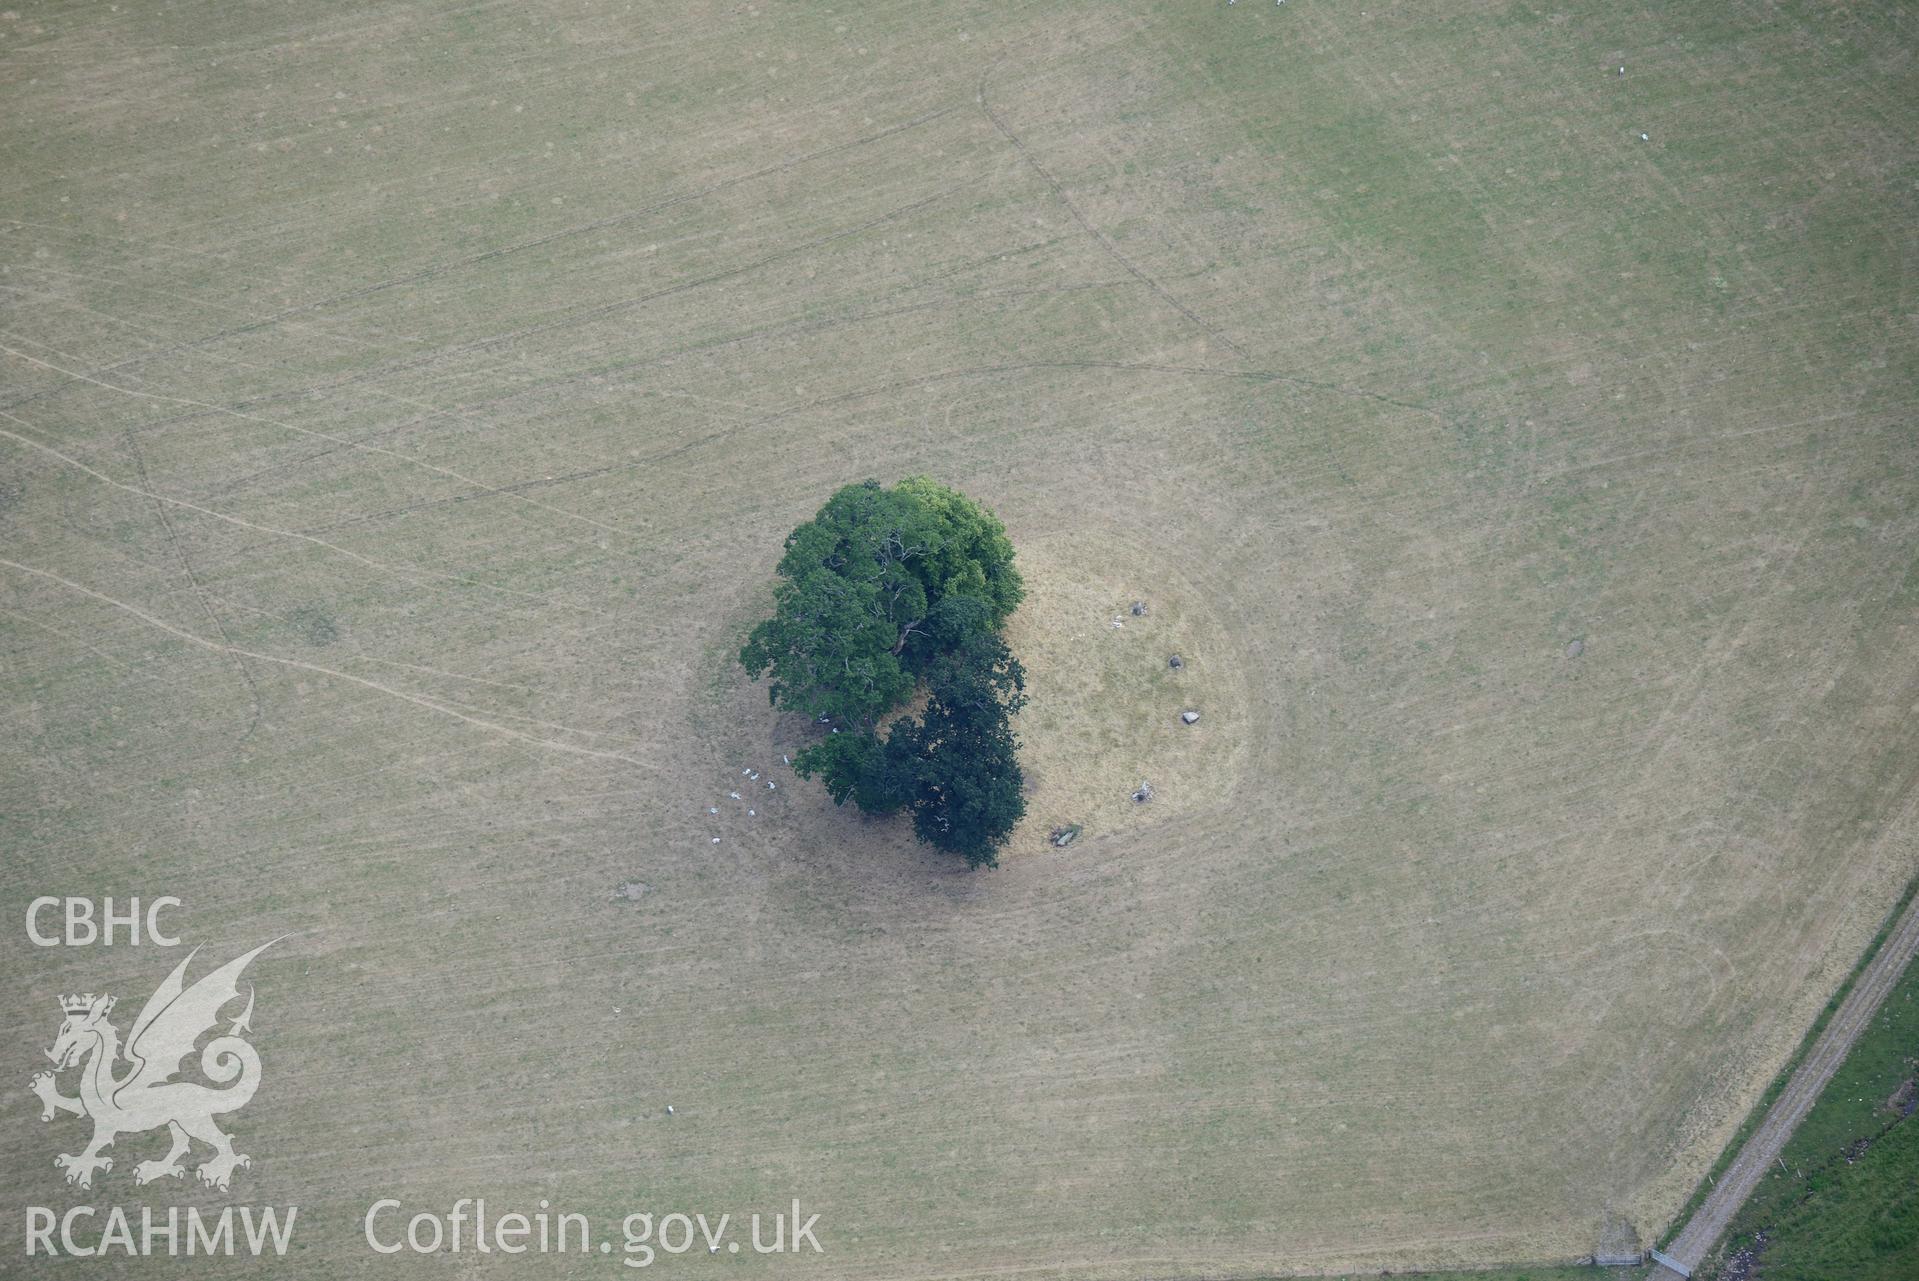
{"x":1857,"y":1219}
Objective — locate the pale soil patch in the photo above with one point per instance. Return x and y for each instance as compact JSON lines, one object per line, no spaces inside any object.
{"x":1104,"y":709}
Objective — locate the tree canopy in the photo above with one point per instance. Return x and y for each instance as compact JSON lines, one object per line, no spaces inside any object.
{"x":881,"y":590}
{"x":960,"y":759}
{"x":859,"y":584}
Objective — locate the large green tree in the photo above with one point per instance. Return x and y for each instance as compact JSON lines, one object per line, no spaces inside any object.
{"x":960,"y":759}
{"x":971,"y":557}
{"x":859,"y":585}
{"x":880,"y":590}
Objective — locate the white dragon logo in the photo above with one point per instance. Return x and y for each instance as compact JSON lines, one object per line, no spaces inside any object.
{"x":146,"y":1097}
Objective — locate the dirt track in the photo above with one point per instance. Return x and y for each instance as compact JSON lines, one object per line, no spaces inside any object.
{"x":1763,"y":1148}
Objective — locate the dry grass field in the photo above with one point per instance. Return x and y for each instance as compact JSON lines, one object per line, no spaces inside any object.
{"x":400,"y":410}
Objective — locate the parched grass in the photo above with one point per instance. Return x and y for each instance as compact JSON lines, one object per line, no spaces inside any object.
{"x":1535,"y":1272}
{"x":1105,"y":704}
{"x":1371,"y":347}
